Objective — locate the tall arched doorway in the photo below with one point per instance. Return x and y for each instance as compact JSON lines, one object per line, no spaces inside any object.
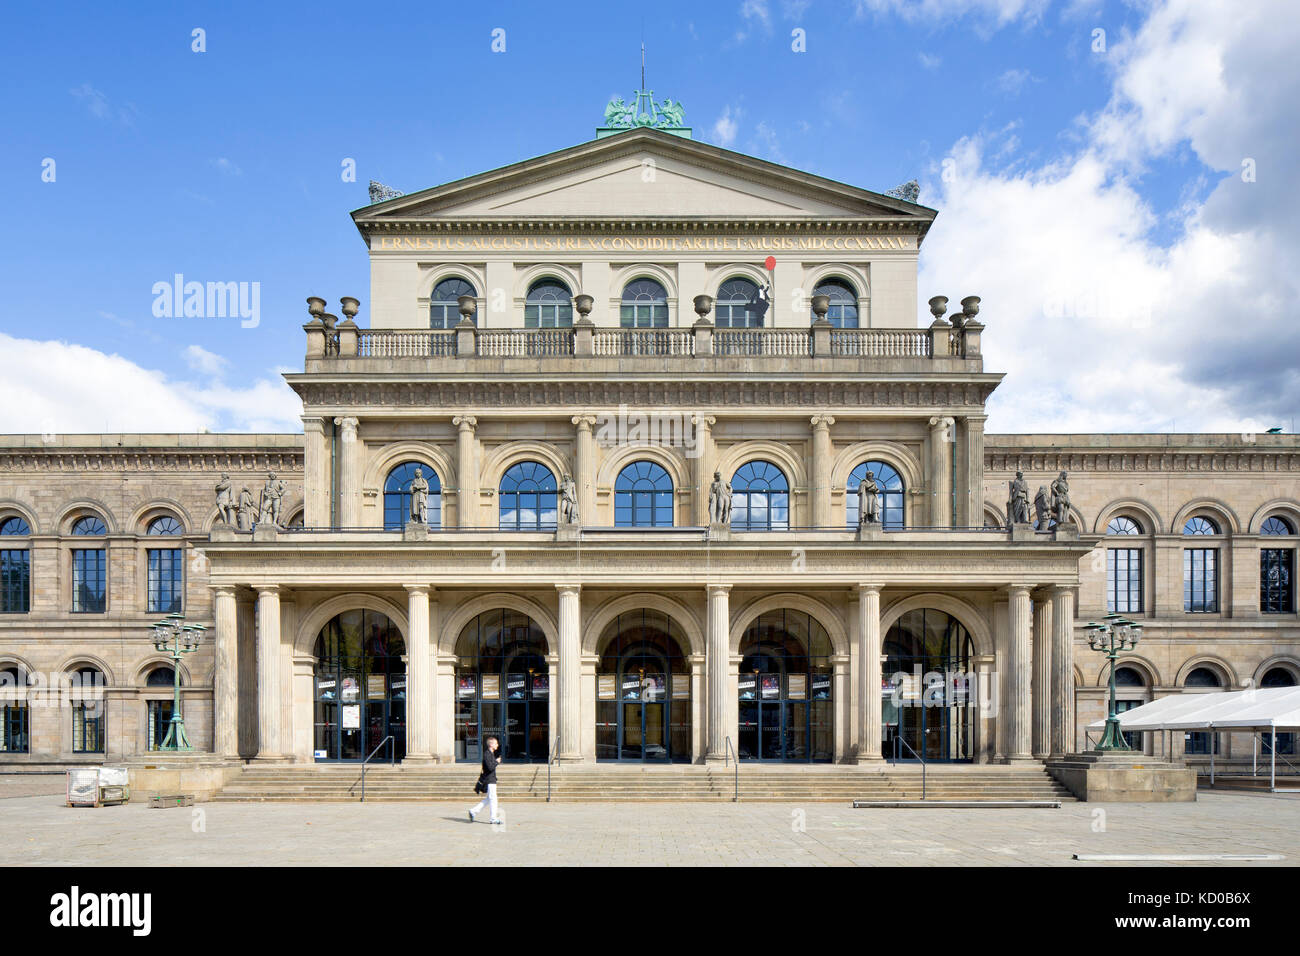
{"x":928,"y":696}
{"x":643,"y":690}
{"x":785,"y":689}
{"x":503,"y":687}
{"x":360,"y":687}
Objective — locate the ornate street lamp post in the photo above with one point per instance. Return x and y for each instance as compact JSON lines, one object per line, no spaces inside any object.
{"x":1116,"y":635}
{"x":173,"y":636}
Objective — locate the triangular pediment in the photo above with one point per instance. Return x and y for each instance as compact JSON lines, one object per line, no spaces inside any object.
{"x":644,"y":173}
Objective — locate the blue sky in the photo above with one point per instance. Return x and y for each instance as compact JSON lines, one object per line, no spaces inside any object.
{"x":225,"y":165}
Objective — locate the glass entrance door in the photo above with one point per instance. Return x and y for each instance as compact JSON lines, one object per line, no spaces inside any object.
{"x":360,"y":688}
{"x":643,"y":718}
{"x":520,"y":723}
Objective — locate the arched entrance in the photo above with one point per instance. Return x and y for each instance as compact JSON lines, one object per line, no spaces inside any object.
{"x":643,"y":690}
{"x":360,"y":687}
{"x":928,"y":694}
{"x":785,"y":689}
{"x":502,"y":687}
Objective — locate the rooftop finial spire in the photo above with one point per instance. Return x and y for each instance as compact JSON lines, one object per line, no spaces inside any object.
{"x":643,"y":64}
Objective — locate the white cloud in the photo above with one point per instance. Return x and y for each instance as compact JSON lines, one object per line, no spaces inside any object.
{"x":929,"y":61}
{"x":97,"y":102}
{"x":1101,"y":325}
{"x":201,"y":360}
{"x":1011,"y":82}
{"x":997,"y":12}
{"x":223,"y":165}
{"x":726,"y":126}
{"x":56,"y":387}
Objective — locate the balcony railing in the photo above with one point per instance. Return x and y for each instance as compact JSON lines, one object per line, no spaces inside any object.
{"x":698,"y":341}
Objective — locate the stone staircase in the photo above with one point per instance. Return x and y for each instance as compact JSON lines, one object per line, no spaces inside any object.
{"x":631,"y":783}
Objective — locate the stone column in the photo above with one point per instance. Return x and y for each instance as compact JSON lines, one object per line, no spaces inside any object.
{"x":1063,"y":731}
{"x":466,"y":471}
{"x":869,"y":650}
{"x":1041,"y":684}
{"x":1019,"y":663}
{"x":419,"y":676}
{"x":719,"y":659}
{"x":703,"y":466}
{"x":349,"y":490}
{"x":268,"y":671}
{"x":941,"y":471}
{"x":315,"y":474}
{"x":246,"y":615}
{"x":225,"y":674}
{"x":570,"y":672}
{"x":584,"y":464}
{"x":974,"y":496}
{"x":821,"y":470}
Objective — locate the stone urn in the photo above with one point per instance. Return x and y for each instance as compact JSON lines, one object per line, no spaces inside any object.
{"x":583,"y":303}
{"x":467,"y":305}
{"x":703,"y":305}
{"x":349,"y":306}
{"x":821,"y":304}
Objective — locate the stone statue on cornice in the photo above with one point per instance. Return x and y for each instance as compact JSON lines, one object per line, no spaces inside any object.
{"x":1042,"y":508}
{"x":244,"y":519}
{"x":719,"y":500}
{"x":1018,"y":505}
{"x":568,"y":500}
{"x":1061,"y":499}
{"x":419,"y":497}
{"x":868,"y":500}
{"x":225,"y":501}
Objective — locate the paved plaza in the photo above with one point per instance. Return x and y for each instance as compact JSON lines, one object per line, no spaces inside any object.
{"x":41,"y":831}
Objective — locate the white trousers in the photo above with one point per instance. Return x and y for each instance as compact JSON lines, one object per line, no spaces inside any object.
{"x":490,"y":800}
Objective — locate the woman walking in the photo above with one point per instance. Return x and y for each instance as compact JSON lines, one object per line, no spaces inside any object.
{"x":487,"y":782}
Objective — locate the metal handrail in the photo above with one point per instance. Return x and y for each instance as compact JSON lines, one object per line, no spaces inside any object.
{"x":898,"y":739}
{"x":386,"y":740}
{"x":554,"y":756}
{"x":728,"y":755}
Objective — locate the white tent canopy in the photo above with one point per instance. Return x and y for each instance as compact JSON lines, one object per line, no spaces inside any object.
{"x":1273,"y":708}
{"x":1269,"y":710}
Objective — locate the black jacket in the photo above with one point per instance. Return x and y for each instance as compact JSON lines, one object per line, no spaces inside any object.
{"x":490,"y":761}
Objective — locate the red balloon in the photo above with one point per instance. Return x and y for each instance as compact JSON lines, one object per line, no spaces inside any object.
{"x":770,"y":263}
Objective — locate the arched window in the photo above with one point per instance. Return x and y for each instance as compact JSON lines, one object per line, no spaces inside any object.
{"x":397,"y":495}
{"x":360,"y":694}
{"x":1129,"y":677}
{"x":549,"y":305}
{"x":643,"y":497}
{"x":889,"y":482}
{"x":444,"y":310}
{"x":528,"y":498}
{"x":165,"y":524}
{"x":1202,"y":677}
{"x":14,"y":729}
{"x":14,"y":526}
{"x":1121,"y":524}
{"x":1277,"y":570}
{"x":843,"y":312}
{"x":89,"y":525}
{"x":643,"y":689}
{"x":644,"y":306}
{"x":87,"y":696}
{"x":166,"y":571}
{"x":760,"y":499}
{"x":1275,"y":525}
{"x":1123,"y":570}
{"x":922,"y":716}
{"x":161,"y":677}
{"x":738,"y":305}
{"x":1200,"y":569}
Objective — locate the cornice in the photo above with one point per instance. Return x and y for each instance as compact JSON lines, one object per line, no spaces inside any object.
{"x":235,"y":460}
{"x":667,"y":225}
{"x":1262,"y":460}
{"x":611,"y":394}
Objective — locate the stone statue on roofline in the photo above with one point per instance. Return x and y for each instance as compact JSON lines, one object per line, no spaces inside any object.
{"x":246,"y":515}
{"x":1042,"y":508}
{"x":225,"y":501}
{"x":1018,"y":505}
{"x":1061,"y":499}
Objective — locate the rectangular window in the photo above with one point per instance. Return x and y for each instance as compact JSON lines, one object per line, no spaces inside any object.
{"x":1199,"y":742}
{"x":160,"y":718}
{"x":166,"y":583}
{"x":88,"y":727}
{"x":1276,"y":593}
{"x":88,"y":580}
{"x":15,"y":582}
{"x":1201,"y":580}
{"x":13,"y":728}
{"x":1132,"y":737}
{"x":1124,"y":580}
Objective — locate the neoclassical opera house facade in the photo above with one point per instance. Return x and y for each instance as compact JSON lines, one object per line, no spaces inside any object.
{"x":557,"y":359}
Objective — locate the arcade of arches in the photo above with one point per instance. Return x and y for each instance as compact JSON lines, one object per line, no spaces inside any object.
{"x":643,"y":686}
